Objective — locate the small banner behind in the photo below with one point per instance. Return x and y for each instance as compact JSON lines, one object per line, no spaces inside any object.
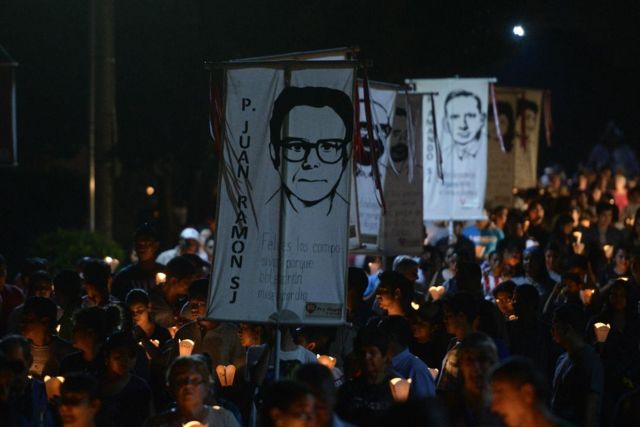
{"x":283,"y":205}
{"x":383,"y":100}
{"x":8,"y":149}
{"x":455,"y":147}
{"x":528,"y":118}
{"x":401,"y":230}
{"x":519,"y":115}
{"x":501,"y":164}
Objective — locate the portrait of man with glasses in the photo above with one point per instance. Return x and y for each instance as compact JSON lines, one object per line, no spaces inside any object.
{"x":311,"y":130}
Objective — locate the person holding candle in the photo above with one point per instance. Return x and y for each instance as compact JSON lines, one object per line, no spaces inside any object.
{"x":503,"y":296}
{"x":603,"y":232}
{"x":620,"y":350}
{"x":364,"y":399}
{"x":154,"y":339}
{"x":191,"y":382}
{"x":219,"y":340}
{"x":430,"y":338}
{"x":27,"y":396}
{"x":403,"y":364}
{"x":144,"y":328}
{"x":141,"y":274}
{"x":578,"y":381}
{"x":620,"y":267}
{"x":167,"y":298}
{"x":38,"y":326}
{"x":97,"y":282}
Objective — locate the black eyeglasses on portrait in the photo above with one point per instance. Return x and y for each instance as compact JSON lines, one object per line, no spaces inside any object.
{"x":328,"y":150}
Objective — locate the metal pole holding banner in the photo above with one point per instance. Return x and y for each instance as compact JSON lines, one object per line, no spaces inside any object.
{"x":277,"y":352}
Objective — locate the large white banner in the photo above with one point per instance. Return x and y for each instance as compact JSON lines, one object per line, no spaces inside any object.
{"x":455,"y":162}
{"x":281,"y":243}
{"x":401,"y":230}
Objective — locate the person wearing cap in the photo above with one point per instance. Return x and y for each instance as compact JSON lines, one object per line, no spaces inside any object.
{"x":394,"y":294}
{"x":141,"y":274}
{"x":189,"y":244}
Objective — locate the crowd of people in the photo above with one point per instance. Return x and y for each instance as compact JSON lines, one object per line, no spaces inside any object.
{"x":527,"y":318}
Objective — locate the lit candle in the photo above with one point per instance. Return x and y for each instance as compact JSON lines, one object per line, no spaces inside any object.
{"x":155,"y":343}
{"x":186,"y":347}
{"x":400,"y":389}
{"x":602,"y":331}
{"x":328,"y":361}
{"x":415,"y":306}
{"x":434,"y":373}
{"x":160,"y":278}
{"x":436,"y":292}
{"x":172,"y":331}
{"x":226,"y":374}
{"x":194,"y":424}
{"x":608,"y":251}
{"x":578,"y":236}
{"x":52,"y":386}
{"x":585,"y":295}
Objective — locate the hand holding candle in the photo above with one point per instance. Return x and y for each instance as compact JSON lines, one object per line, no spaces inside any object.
{"x":328,"y":361}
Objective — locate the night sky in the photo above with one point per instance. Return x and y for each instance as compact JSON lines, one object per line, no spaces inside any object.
{"x":587,"y":56}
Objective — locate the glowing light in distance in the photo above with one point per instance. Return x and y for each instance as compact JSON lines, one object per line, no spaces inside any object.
{"x":518,"y":31}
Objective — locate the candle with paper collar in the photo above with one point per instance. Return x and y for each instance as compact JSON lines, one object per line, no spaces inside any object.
{"x":186,"y":347}
{"x":226,"y":374}
{"x":602,"y":331}
{"x":400,"y":389}
{"x":52,"y":385}
{"x":160,"y":278}
{"x":585,"y":295}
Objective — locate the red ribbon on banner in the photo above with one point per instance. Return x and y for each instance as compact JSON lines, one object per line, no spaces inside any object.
{"x":373,"y":149}
{"x":215,"y":115}
{"x":496,"y":118}
{"x":523,"y":134}
{"x":436,"y":141}
{"x":358,"y":148}
{"x":548,"y":119}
